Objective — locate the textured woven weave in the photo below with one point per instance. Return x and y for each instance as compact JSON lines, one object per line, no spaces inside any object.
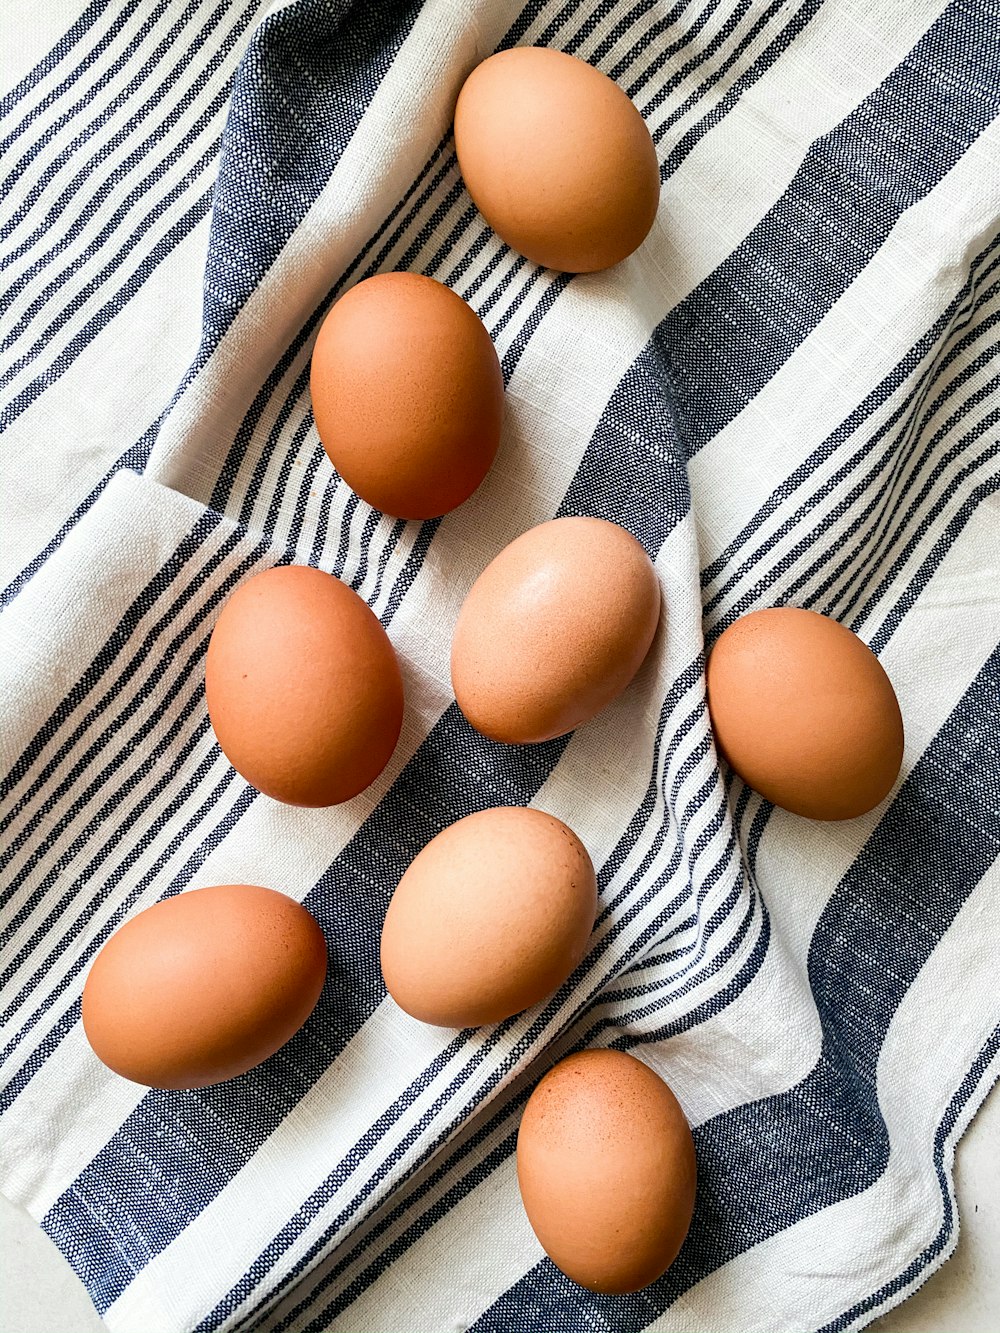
{"x":790,"y":394}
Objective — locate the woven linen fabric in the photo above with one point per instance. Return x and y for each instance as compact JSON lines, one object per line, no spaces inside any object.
{"x":790,"y":394}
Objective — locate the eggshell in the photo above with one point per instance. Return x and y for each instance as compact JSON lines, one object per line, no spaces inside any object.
{"x":557,"y":159}
{"x":804,"y":712}
{"x":407,"y":394}
{"x":202,"y":987}
{"x":491,"y":917}
{"x":554,"y":629}
{"x":303,"y":687}
{"x":606,"y":1168}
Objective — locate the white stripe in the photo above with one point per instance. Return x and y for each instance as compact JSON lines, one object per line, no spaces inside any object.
{"x":31,"y":674}
{"x":52,"y":470}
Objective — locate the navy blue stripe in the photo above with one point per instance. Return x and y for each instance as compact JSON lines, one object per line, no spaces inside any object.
{"x":59,"y":52}
{"x":298,"y":97}
{"x":871,"y":941}
{"x":930,"y":1252}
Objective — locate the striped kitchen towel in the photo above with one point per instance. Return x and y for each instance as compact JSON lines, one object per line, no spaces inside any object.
{"x":790,"y":395}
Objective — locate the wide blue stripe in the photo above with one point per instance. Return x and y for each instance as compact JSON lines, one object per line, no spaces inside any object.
{"x":299,"y":95}
{"x":956,"y":1106}
{"x":923,"y":860}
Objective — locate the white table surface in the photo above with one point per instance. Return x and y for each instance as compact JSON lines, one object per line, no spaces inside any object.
{"x":41,"y":1293}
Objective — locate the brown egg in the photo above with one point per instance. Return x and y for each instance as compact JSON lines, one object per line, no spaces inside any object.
{"x":303,"y":687}
{"x":606,"y":1168}
{"x":407,"y":395}
{"x":491,"y":917}
{"x":557,"y":159}
{"x":804,"y":713}
{"x":202,"y":987}
{"x":554,"y":629}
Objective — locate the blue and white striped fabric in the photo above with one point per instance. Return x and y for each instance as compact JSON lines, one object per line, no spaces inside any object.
{"x":789,"y":394}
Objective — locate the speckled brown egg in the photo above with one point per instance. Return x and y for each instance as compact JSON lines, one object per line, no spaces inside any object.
{"x":804,"y":712}
{"x":491,"y":917}
{"x":606,"y":1168}
{"x":201,"y":987}
{"x":557,"y":159}
{"x":303,"y":687}
{"x":407,"y":394}
{"x":554,"y":629}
